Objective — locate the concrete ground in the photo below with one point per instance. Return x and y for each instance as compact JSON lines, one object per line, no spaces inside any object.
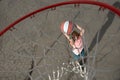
{"x":35,"y":48}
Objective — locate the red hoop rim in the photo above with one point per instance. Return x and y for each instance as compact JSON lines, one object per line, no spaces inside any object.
{"x":112,"y":8}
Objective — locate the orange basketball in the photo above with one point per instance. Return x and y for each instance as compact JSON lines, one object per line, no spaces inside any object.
{"x":67,"y":27}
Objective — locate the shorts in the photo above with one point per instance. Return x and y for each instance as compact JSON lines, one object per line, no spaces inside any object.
{"x":77,"y":57}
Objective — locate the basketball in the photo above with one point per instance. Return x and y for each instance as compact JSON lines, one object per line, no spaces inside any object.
{"x":67,"y":27}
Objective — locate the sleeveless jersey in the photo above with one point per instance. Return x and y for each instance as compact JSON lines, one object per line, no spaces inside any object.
{"x":78,"y":46}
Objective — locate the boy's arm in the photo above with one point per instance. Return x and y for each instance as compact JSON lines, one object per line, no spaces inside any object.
{"x":82,"y":31}
{"x":70,"y":40}
{"x":66,"y":36}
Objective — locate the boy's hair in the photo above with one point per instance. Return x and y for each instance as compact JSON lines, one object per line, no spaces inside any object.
{"x":75,"y":33}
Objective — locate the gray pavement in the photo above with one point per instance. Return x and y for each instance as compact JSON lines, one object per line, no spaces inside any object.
{"x":36,"y":48}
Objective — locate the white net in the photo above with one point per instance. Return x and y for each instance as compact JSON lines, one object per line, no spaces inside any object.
{"x":35,"y":49}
